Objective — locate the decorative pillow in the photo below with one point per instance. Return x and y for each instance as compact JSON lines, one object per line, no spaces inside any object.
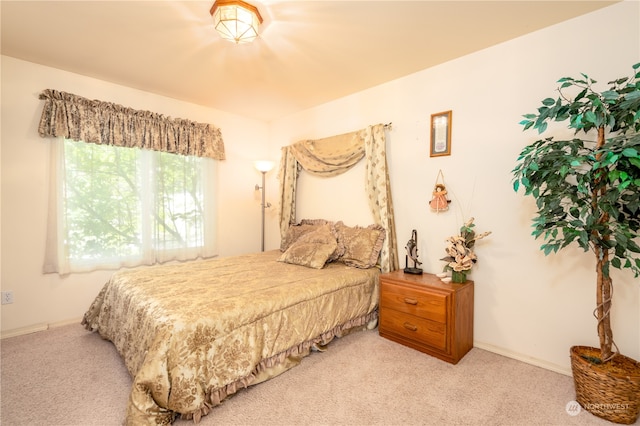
{"x":293,"y":233}
{"x":312,"y":249}
{"x":362,"y":245}
{"x":309,"y":225}
{"x":318,"y":222}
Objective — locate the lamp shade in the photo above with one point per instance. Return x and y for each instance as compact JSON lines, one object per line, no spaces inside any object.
{"x":263,"y":165}
{"x":236,"y":20}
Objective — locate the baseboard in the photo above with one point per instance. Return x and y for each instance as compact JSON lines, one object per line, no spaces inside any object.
{"x":36,"y":328}
{"x":524,"y":358}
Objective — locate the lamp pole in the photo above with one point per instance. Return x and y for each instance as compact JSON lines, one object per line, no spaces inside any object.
{"x":263,"y":167}
{"x":263,"y":207}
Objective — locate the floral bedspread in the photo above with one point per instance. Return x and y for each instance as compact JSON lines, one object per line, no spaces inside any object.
{"x":193,"y":333}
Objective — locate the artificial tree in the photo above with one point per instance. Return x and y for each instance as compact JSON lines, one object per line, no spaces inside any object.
{"x":587,"y":189}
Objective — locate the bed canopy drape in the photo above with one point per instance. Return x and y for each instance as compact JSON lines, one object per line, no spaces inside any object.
{"x":333,"y":156}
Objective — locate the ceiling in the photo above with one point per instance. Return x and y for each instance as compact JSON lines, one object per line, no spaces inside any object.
{"x":308,"y":52}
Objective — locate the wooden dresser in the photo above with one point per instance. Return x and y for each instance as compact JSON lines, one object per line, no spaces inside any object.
{"x":422,"y":312}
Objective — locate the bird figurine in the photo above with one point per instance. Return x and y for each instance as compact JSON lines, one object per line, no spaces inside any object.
{"x":412,"y":252}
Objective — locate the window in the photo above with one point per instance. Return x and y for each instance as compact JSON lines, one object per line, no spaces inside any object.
{"x":127,"y":206}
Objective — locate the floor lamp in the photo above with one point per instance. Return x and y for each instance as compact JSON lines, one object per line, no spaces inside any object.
{"x":263,"y":167}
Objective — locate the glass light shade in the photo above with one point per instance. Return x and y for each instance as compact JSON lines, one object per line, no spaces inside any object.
{"x":236,"y":21}
{"x":263,"y":165}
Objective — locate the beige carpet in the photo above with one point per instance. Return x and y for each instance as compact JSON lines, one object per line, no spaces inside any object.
{"x":68,"y":376}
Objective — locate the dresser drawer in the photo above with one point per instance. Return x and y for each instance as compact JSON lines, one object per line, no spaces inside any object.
{"x":427,"y":314}
{"x":428,"y":305}
{"x":416,"y":329}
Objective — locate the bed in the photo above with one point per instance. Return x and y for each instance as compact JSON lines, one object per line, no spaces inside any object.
{"x":193,"y":333}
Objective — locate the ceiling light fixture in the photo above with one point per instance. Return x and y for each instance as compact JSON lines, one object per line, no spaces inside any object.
{"x":236,"y":20}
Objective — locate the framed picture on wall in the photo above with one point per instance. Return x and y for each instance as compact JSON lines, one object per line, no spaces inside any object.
{"x":440,"y":134}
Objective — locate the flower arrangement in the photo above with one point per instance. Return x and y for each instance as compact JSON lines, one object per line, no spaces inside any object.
{"x":460,"y":255}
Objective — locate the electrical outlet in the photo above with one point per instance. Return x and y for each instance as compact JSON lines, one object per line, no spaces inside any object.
{"x":7,"y":297}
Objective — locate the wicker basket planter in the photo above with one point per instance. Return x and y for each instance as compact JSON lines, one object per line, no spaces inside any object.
{"x":611,"y":395}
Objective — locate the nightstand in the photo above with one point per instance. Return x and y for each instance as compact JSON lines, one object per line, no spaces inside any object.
{"x":426,"y":314}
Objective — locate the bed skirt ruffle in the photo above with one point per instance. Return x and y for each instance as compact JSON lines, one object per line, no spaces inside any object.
{"x":279,"y":363}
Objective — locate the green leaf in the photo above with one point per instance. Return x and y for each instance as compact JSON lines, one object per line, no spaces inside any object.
{"x":611,"y":159}
{"x":580,"y":95}
{"x":596,"y":102}
{"x":584,"y":239}
{"x":630,"y":152}
{"x":632,"y":246}
{"x":535,"y":192}
{"x":527,"y":124}
{"x":610,"y":95}
{"x":615,"y":262}
{"x":631,"y":96}
{"x":576,"y":121}
{"x":542,"y":127}
{"x":548,"y":101}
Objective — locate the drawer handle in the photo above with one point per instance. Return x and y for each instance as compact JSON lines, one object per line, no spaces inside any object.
{"x":410,"y":326}
{"x":410,"y":301}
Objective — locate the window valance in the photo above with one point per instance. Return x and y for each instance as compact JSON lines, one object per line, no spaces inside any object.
{"x":333,"y":156}
{"x":74,"y":117}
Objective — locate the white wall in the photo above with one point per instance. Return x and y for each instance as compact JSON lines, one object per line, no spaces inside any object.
{"x":46,"y":299}
{"x":526,"y":306}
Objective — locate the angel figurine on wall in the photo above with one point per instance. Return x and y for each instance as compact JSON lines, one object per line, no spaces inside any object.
{"x":412,"y":252}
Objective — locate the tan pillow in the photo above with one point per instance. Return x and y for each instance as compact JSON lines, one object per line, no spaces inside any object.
{"x":362,"y":245}
{"x":312,"y":249}
{"x":309,"y":225}
{"x":293,"y":233}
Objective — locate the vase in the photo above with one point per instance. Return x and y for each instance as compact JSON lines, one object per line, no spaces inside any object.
{"x":458,"y":276}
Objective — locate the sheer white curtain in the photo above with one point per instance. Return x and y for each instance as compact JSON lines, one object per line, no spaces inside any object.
{"x":111,"y":207}
{"x":127,"y":187}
